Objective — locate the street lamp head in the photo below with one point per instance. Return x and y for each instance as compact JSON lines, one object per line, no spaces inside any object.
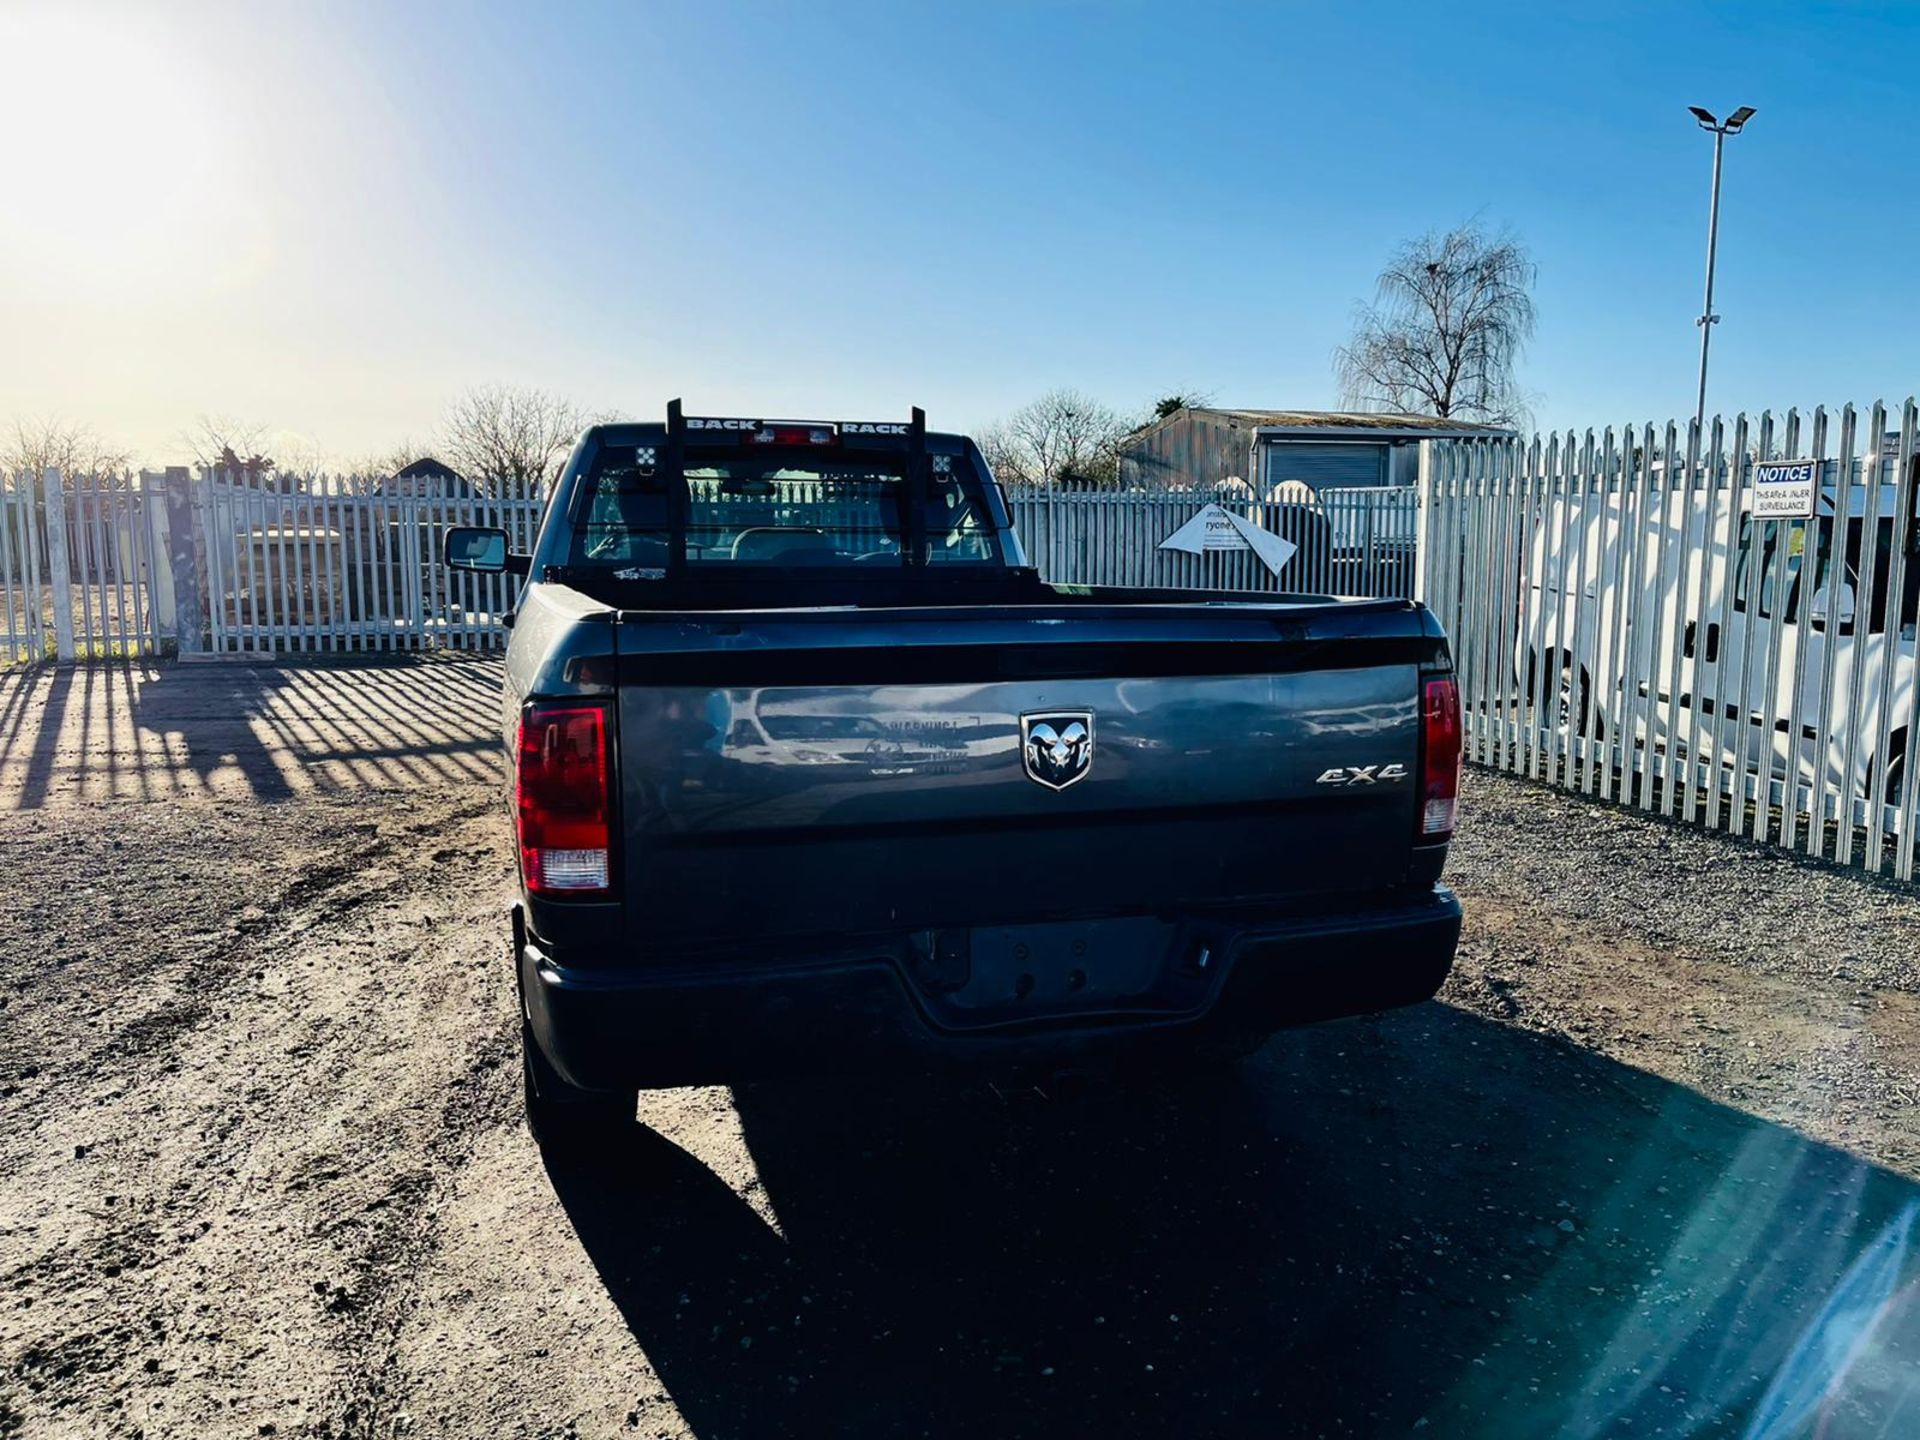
{"x":1733,"y":121}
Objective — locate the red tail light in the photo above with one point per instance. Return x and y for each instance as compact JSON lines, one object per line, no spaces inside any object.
{"x":563,"y":800}
{"x":1439,"y":757}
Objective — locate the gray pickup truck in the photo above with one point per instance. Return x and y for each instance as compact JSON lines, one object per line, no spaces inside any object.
{"x":811,"y":770}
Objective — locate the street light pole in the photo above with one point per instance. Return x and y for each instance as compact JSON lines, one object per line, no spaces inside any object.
{"x":1731,"y":126}
{"x":1708,"y":319}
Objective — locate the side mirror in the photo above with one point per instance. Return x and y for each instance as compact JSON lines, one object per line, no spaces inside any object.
{"x":1822,"y":607}
{"x":481,"y":551}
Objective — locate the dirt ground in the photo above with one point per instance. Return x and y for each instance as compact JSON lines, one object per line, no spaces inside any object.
{"x":1648,"y":1168}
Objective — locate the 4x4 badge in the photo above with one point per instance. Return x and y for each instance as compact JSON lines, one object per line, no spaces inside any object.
{"x":1362,"y":775}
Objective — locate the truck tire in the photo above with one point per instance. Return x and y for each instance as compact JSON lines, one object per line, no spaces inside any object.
{"x":1571,"y":700}
{"x":1894,"y":791}
{"x":567,"y":1122}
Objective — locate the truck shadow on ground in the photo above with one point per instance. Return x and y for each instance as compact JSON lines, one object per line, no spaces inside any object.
{"x":1426,"y":1216}
{"x":148,"y":730}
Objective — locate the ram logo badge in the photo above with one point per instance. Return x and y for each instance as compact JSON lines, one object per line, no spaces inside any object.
{"x":1056,"y":747}
{"x":1362,"y":775}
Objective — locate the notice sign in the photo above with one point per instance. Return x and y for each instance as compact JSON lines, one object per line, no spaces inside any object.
{"x":1217,"y":528}
{"x":1784,"y":489}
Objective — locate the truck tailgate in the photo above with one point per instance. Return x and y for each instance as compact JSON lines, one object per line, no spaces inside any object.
{"x":832,"y":773}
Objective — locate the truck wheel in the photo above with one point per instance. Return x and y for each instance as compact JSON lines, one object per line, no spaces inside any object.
{"x":1570,"y":700}
{"x":1893,"y":791}
{"x":566,"y":1121}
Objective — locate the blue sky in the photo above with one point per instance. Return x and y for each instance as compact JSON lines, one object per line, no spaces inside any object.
{"x":332,"y":222}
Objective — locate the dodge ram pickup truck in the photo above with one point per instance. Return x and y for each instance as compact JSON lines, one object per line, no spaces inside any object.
{"x":811,"y":770}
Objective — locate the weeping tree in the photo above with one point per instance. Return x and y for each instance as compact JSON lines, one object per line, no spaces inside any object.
{"x":1449,"y":320}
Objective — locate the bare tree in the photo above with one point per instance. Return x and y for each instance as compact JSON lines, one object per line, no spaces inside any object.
{"x":391,"y":459}
{"x":1063,"y":435}
{"x":1002,"y":454}
{"x":1451,"y":316}
{"x":510,"y":435}
{"x":50,"y":444}
{"x":237,"y":448}
{"x":298,"y":454}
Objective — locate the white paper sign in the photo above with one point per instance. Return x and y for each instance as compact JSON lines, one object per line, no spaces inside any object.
{"x":1217,"y":528}
{"x":1784,"y":489}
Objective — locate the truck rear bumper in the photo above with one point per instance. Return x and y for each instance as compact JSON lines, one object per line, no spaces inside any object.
{"x":723,"y":1021}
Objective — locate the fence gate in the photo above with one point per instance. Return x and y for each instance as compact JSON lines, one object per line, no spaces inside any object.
{"x":110,"y":535}
{"x":337,"y":567}
{"x":1629,"y":623}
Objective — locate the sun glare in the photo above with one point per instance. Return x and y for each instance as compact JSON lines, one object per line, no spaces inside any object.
{"x":131,"y":177}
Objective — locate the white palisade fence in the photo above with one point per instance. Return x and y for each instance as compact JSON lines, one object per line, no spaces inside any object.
{"x":1347,"y":542}
{"x":275,"y":565}
{"x":1626,"y":627}
{"x":79,"y":557}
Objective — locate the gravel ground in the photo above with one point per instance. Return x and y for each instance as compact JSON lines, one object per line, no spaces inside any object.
{"x":1648,"y":1167}
{"x":1789,"y":988}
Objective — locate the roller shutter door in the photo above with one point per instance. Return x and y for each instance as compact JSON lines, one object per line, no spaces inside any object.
{"x":1327,"y":467}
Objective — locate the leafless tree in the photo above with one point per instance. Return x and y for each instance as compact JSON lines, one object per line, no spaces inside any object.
{"x":1062,"y":435}
{"x":236,"y":447}
{"x":298,"y":454}
{"x":510,"y":436}
{"x":1002,"y":454}
{"x":50,"y":444}
{"x":390,"y":459}
{"x":1451,"y":316}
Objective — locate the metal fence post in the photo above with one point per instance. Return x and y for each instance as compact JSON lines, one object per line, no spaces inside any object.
{"x":1052,"y":570}
{"x":59,"y":566}
{"x":1423,"y":521}
{"x":155,"y":538}
{"x":183,"y":561}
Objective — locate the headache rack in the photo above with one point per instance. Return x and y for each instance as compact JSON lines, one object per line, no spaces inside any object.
{"x":814,"y":436}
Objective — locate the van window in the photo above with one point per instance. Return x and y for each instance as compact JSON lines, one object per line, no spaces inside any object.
{"x":1776,"y":568}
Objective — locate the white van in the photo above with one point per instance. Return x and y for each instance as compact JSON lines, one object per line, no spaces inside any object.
{"x":1657,"y":644}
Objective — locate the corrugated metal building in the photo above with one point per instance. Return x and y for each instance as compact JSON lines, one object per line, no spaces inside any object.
{"x":1322,"y":449}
